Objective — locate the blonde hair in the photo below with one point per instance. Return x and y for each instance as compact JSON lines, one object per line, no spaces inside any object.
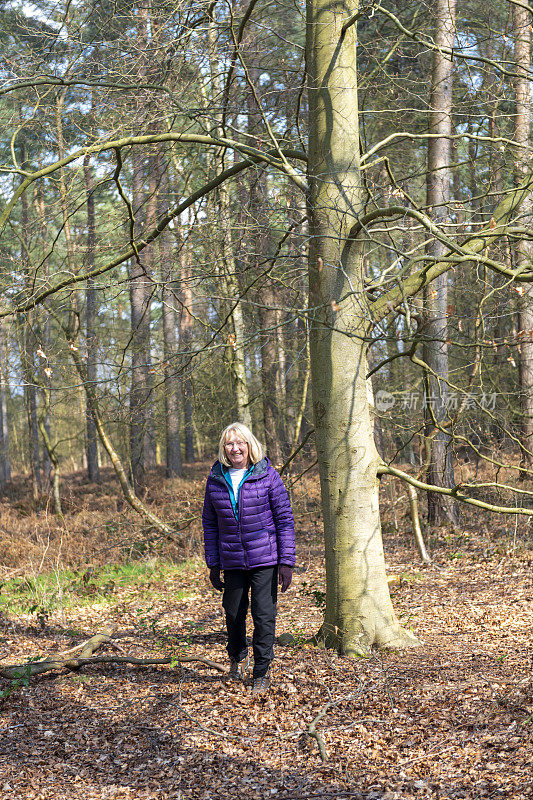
{"x":255,"y":448}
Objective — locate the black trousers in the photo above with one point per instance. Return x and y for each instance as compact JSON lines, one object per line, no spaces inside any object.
{"x":263,"y":583}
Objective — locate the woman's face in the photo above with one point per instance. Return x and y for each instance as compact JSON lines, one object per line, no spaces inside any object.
{"x":237,"y":450}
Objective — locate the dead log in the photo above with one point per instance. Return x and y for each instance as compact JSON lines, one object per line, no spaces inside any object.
{"x":67,"y":660}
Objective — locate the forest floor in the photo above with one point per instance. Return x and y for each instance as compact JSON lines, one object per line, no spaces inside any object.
{"x":450,"y":719}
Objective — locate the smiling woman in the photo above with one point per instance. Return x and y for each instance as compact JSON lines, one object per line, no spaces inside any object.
{"x":248,"y":533}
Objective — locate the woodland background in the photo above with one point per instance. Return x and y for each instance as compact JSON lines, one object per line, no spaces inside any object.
{"x":208,"y":322}
{"x":153,"y":289}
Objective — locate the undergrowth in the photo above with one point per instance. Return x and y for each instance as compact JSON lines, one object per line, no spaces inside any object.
{"x":45,"y":592}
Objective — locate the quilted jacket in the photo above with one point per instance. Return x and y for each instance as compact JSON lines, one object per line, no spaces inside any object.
{"x":262,"y":534}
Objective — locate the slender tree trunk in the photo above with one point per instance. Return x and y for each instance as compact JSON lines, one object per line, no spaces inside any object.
{"x":269,"y":373}
{"x":440,"y":466}
{"x":524,"y":250}
{"x":236,"y":322}
{"x":221,"y":213}
{"x":140,"y":286}
{"x":27,"y":350}
{"x":44,"y":376}
{"x":5,"y":461}
{"x":186,"y":338}
{"x":54,"y":477}
{"x":150,"y":262}
{"x":172,"y":384}
{"x":260,"y":244}
{"x":46,"y":385}
{"x":359,"y":611}
{"x":284,"y":418}
{"x":30,"y":398}
{"x":93,"y":468}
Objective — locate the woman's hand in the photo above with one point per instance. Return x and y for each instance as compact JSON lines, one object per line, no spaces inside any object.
{"x":284,"y":577}
{"x":214,"y":577}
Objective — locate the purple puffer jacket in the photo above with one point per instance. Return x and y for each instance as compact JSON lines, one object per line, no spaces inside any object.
{"x":264,"y":533}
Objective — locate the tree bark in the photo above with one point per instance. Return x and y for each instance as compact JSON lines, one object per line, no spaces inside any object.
{"x":172,"y":384}
{"x":524,"y":250}
{"x":30,"y":400}
{"x":139,"y":287}
{"x":439,"y":451}
{"x":236,"y":321}
{"x":5,"y":461}
{"x":186,"y":338}
{"x":269,"y":373}
{"x":44,"y":374}
{"x":93,"y":468}
{"x":152,"y":201}
{"x":27,"y":349}
{"x":359,"y":611}
{"x":51,"y":453}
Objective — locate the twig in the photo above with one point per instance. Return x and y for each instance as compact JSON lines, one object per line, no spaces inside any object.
{"x":312,"y":731}
{"x":207,"y":730}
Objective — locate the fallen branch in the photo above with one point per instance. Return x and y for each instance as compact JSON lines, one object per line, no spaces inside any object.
{"x":312,"y":731}
{"x":311,"y":728}
{"x":86,"y":657}
{"x":90,"y":646}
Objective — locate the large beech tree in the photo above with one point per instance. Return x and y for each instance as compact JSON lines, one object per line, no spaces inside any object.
{"x":359,"y":611}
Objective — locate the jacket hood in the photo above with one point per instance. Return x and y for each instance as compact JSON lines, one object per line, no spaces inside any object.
{"x":259,"y":469}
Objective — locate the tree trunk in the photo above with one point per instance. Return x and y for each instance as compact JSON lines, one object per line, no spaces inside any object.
{"x":269,"y":373}
{"x":172,"y":387}
{"x":149,"y":259}
{"x":139,"y":286}
{"x":236,"y":321}
{"x":359,"y":611}
{"x":524,"y":250}
{"x":5,"y":461}
{"x":93,"y":468}
{"x":44,"y":375}
{"x":30,"y":398}
{"x":440,"y":457}
{"x":140,"y":280}
{"x":260,"y":245}
{"x":46,"y":385}
{"x":27,"y":350}
{"x":186,"y":339}
{"x":221,"y":212}
{"x":54,"y":477}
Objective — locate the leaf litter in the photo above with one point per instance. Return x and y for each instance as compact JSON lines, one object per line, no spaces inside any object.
{"x":451,"y":719}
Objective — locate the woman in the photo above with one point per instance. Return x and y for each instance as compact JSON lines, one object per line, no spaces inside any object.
{"x":248,"y":533}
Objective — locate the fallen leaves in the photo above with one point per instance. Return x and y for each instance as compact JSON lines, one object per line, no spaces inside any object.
{"x":449,"y":720}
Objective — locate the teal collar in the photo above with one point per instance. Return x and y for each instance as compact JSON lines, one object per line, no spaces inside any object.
{"x":227,"y":478}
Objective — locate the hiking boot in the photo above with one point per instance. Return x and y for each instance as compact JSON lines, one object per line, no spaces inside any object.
{"x":238,"y":669}
{"x":261,"y":685}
